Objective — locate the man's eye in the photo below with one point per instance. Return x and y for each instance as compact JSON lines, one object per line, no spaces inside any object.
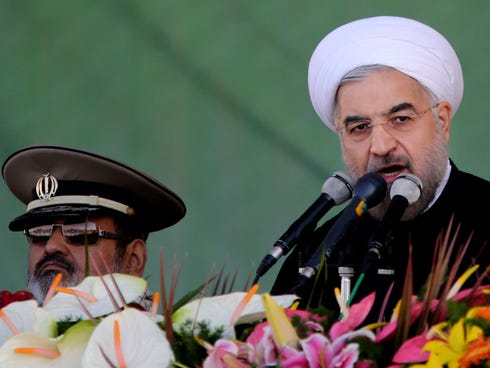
{"x":39,"y":232}
{"x":359,"y":127}
{"x":402,"y":119}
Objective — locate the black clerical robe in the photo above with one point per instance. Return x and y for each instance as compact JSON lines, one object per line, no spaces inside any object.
{"x":465,"y":197}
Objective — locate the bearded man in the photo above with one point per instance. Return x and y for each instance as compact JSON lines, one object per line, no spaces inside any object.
{"x":389,"y":87}
{"x":85,"y":214}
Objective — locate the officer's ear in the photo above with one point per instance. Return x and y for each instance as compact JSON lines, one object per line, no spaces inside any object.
{"x":135,"y":257}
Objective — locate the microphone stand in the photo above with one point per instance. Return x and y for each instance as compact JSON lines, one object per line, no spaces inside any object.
{"x":369,"y":190}
{"x":346,"y":273}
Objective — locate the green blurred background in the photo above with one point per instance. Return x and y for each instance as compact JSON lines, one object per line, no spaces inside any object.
{"x":209,"y":97}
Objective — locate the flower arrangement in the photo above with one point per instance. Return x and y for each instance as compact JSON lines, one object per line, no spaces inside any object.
{"x":95,"y":324}
{"x":99,"y":323}
{"x":86,"y":326}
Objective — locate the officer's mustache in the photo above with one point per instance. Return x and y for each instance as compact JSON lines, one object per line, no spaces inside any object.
{"x":56,"y":258}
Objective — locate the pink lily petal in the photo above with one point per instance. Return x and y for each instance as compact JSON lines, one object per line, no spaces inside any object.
{"x":346,"y":358}
{"x":357,"y":314}
{"x":317,"y":348}
{"x":223,"y":355}
{"x":389,"y":330}
{"x":478,"y":298}
{"x":411,"y":351}
{"x":292,"y":358}
{"x":262,"y":349}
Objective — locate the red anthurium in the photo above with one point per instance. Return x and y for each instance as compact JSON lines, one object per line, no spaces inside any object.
{"x":6,"y":297}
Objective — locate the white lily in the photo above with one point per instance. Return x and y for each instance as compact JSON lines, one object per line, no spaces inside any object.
{"x":65,"y":306}
{"x":35,"y":350}
{"x":25,"y":316}
{"x":218,"y":311}
{"x":128,"y":339}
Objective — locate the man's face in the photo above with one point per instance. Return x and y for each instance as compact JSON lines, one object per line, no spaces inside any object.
{"x":58,"y":255}
{"x":420,"y":150}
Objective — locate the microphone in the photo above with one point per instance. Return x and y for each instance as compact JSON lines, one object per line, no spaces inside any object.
{"x":336,"y":190}
{"x":369,"y":190}
{"x":405,"y":190}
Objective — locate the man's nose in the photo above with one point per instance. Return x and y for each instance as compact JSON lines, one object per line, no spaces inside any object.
{"x":382,"y":142}
{"x":56,"y":242}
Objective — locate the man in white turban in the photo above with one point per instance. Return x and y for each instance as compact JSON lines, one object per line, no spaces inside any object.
{"x":389,"y":86}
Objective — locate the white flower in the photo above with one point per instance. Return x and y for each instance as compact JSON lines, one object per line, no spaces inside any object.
{"x":128,"y":338}
{"x":67,"y":307}
{"x":26,"y":316}
{"x":217,"y":311}
{"x":38,"y":351}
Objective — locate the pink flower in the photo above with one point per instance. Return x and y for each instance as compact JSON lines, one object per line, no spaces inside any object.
{"x":321,"y":352}
{"x":292,"y":358}
{"x":389,"y":330}
{"x":316,"y":350}
{"x":472,"y":299}
{"x":262,"y":349}
{"x":479,"y":297}
{"x":220,"y":356}
{"x":357,"y":314}
{"x":411,"y":351}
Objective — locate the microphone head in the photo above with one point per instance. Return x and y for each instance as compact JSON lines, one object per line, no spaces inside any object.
{"x":371,"y":188}
{"x":407,"y":186}
{"x":339,"y":187}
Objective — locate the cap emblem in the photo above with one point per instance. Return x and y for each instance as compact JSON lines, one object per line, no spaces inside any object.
{"x":46,"y":187}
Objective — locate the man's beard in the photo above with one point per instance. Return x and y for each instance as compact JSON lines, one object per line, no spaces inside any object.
{"x":38,"y":283}
{"x":430,"y":171}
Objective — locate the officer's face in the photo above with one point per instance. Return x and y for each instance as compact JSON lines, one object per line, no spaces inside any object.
{"x":409,"y":132}
{"x":63,"y":252}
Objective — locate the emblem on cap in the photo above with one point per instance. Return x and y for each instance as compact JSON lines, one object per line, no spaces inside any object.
{"x":46,"y":187}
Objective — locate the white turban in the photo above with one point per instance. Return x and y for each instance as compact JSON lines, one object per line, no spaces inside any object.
{"x":404,"y":44}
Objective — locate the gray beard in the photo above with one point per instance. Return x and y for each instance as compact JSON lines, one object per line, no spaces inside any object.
{"x":431,"y":173}
{"x":38,"y":284}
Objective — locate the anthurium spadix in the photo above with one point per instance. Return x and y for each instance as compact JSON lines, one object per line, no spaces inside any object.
{"x":35,"y":350}
{"x":25,"y":316}
{"x":218,"y":311}
{"x":66,"y":306}
{"x":128,"y":339}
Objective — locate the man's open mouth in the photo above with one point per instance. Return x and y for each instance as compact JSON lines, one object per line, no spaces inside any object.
{"x":390,"y":172}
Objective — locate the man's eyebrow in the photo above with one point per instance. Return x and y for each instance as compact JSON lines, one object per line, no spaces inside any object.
{"x":354,"y":119}
{"x":400,"y":107}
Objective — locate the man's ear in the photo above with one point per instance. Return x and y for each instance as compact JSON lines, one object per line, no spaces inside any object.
{"x":444,"y":114}
{"x":135,"y":257}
